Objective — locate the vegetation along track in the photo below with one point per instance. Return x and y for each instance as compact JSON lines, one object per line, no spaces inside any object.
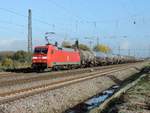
{"x":22,"y":93}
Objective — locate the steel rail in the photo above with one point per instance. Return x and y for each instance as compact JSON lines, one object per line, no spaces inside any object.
{"x":74,"y":71}
{"x":12,"y":96}
{"x":29,"y":79}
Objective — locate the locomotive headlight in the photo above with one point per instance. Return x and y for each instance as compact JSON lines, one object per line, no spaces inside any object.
{"x":34,"y":57}
{"x":44,"y":57}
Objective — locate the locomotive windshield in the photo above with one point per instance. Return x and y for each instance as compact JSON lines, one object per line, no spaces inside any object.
{"x":40,"y":50}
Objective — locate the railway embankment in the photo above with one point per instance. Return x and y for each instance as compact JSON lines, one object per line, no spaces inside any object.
{"x":60,"y":99}
{"x":134,"y":100}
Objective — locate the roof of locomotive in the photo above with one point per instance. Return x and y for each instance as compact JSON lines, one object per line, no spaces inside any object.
{"x":56,"y":47}
{"x":44,"y":46}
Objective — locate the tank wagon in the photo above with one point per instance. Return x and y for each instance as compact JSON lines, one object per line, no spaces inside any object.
{"x":52,"y":56}
{"x":87,"y":58}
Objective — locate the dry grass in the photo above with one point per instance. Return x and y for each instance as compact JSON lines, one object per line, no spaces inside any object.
{"x":137,"y":99}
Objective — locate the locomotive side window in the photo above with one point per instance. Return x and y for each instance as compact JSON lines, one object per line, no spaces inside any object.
{"x":40,"y":50}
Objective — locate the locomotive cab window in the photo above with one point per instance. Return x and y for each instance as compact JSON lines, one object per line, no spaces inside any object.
{"x":40,"y":50}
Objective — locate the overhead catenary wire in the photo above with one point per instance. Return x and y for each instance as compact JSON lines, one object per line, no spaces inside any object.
{"x":78,"y":18}
{"x":61,"y":7}
{"x":24,"y":16}
{"x":6,"y":29}
{"x":12,"y":23}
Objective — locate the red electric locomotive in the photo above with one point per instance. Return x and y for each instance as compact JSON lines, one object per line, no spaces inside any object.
{"x":51,"y":56}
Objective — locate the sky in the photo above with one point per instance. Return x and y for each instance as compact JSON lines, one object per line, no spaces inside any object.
{"x":117,"y":23}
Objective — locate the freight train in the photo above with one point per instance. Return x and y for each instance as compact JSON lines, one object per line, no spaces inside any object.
{"x":54,"y":57}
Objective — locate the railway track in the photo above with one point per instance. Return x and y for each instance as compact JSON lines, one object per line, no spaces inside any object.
{"x":28,"y":78}
{"x":7,"y":77}
{"x":5,"y":74}
{"x":25,"y":92}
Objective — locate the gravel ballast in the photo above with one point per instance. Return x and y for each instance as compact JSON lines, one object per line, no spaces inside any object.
{"x":58,"y":100}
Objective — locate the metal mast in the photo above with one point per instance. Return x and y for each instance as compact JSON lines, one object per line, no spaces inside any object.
{"x":29,"y":30}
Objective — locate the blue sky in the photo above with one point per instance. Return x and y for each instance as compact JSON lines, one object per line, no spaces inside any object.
{"x":110,"y":20}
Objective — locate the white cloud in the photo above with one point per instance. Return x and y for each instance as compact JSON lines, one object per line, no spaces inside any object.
{"x":12,"y":44}
{"x":15,"y":44}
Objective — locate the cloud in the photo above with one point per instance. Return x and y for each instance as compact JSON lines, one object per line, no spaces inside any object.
{"x":12,"y":45}
{"x":15,"y":44}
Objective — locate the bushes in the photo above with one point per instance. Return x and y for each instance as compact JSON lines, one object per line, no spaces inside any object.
{"x":7,"y":62}
{"x":22,"y":56}
{"x":19,"y":59}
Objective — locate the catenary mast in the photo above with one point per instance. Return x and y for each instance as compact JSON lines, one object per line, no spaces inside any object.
{"x":29,"y":30}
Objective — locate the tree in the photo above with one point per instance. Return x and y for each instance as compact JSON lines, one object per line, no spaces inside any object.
{"x":66,"y":44}
{"x":22,"y":56}
{"x":102,"y":48}
{"x":7,"y":62}
{"x":84,"y":47}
